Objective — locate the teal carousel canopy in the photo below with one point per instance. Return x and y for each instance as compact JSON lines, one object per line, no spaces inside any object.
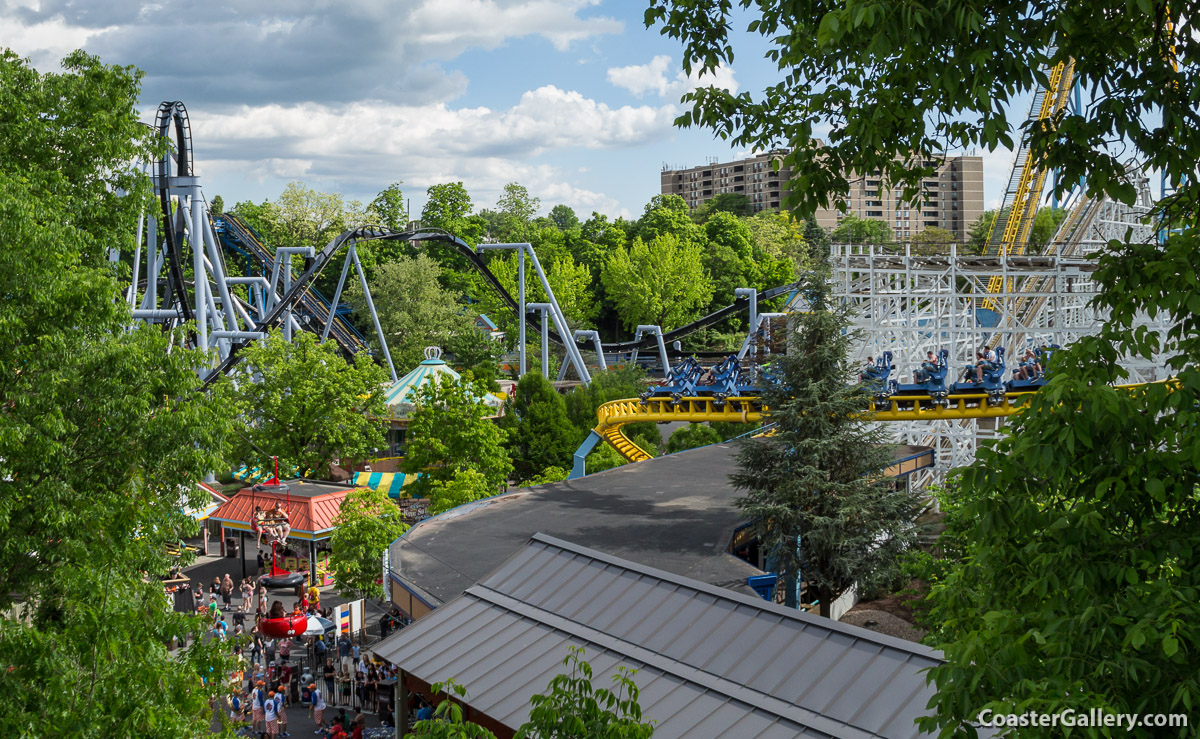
{"x":401,"y":396}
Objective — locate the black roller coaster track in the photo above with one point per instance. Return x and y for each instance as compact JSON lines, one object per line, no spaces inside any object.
{"x":173,"y":114}
{"x":375,"y":233}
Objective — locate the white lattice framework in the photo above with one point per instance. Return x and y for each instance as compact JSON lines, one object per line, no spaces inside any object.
{"x":907,"y":304}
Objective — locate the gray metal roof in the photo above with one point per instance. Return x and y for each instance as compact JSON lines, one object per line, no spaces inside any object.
{"x":710,"y":662}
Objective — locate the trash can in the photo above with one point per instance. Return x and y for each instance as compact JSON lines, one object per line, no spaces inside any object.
{"x":231,"y":547}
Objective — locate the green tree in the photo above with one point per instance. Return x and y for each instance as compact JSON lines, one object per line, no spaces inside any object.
{"x":309,"y":217}
{"x":981,"y":231}
{"x":573,"y":706}
{"x":855,"y":230}
{"x":1045,"y":226}
{"x":366,"y":524}
{"x":564,"y":217}
{"x":570,"y":281}
{"x":692,"y":436}
{"x":387,"y":209}
{"x":541,"y":433}
{"x":415,"y":311}
{"x":517,"y":209}
{"x":779,"y":236}
{"x":726,"y":202}
{"x":449,"y":207}
{"x":932,"y":240}
{"x":549,"y":475}
{"x":933,"y":235}
{"x":662,"y":282}
{"x":217,"y":205}
{"x":817,"y":237}
{"x":729,"y":257}
{"x":448,"y":721}
{"x":102,"y":435}
{"x":667,"y":215}
{"x":465,"y":487}
{"x":1078,"y":588}
{"x":302,"y":402}
{"x":449,"y":433}
{"x":815,"y":489}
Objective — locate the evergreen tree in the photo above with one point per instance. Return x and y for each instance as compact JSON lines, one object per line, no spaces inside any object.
{"x":815,"y":489}
{"x":542,"y":434}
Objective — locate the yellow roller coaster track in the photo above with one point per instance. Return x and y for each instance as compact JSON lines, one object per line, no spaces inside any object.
{"x":1023,"y":203}
{"x":613,"y":416}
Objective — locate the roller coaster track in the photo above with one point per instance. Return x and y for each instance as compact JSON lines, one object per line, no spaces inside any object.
{"x":611,"y":417}
{"x":1014,"y":220}
{"x":236,"y":235}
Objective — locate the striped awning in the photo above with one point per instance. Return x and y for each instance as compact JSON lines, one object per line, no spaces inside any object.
{"x":392,"y":482}
{"x":401,"y":395}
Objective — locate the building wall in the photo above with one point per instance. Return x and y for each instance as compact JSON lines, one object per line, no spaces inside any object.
{"x":951,"y":199}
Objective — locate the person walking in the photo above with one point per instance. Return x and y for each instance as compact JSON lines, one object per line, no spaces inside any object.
{"x":269,"y":650}
{"x":226,"y":591}
{"x":317,"y":706}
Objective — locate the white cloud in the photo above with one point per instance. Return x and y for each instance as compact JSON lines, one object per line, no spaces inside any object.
{"x":642,"y":78}
{"x":227,"y":52}
{"x":44,"y":43}
{"x":361,"y":147}
{"x":652,"y":77}
{"x":996,"y":168}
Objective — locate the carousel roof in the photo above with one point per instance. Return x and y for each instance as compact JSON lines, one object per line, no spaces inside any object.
{"x":400,"y":397}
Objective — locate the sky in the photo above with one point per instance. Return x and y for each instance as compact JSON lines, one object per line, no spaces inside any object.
{"x":574,"y":99}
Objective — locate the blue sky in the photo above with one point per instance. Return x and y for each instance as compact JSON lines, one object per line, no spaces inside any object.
{"x":575,"y":99}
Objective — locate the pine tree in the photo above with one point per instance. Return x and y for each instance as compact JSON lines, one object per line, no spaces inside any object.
{"x":815,"y":488}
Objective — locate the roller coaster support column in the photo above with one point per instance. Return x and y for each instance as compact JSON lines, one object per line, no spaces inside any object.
{"x":362,"y":281}
{"x":748,"y":344}
{"x":595,"y":337}
{"x":521,"y":302}
{"x":752,"y":294}
{"x":283,"y":265}
{"x":579,"y":466}
{"x":662,"y":347}
{"x":560,"y":321}
{"x":545,"y":308}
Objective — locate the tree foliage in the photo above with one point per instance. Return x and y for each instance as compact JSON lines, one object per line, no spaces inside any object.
{"x":302,"y":402}
{"x":367,"y":522}
{"x":843,"y":64}
{"x":541,"y":433}
{"x":855,"y":230}
{"x":661,"y":283}
{"x":815,"y":489}
{"x":448,"y":721}
{"x":465,"y":487}
{"x":574,"y":707}
{"x":415,"y":311}
{"x":102,"y":437}
{"x":692,"y":436}
{"x":1082,"y":549}
{"x":449,"y":432}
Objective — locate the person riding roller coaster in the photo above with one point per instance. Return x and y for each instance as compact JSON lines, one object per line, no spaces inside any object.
{"x":927,"y":368}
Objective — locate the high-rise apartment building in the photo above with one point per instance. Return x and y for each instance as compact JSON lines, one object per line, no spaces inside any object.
{"x":952,"y":198}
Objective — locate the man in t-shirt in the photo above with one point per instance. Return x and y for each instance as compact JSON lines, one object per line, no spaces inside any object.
{"x":344,"y":651}
{"x":317,"y":706}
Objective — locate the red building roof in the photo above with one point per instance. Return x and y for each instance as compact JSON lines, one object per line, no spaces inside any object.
{"x":311,"y":506}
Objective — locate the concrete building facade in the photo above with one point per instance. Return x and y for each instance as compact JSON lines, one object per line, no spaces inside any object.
{"x":952,"y":198}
